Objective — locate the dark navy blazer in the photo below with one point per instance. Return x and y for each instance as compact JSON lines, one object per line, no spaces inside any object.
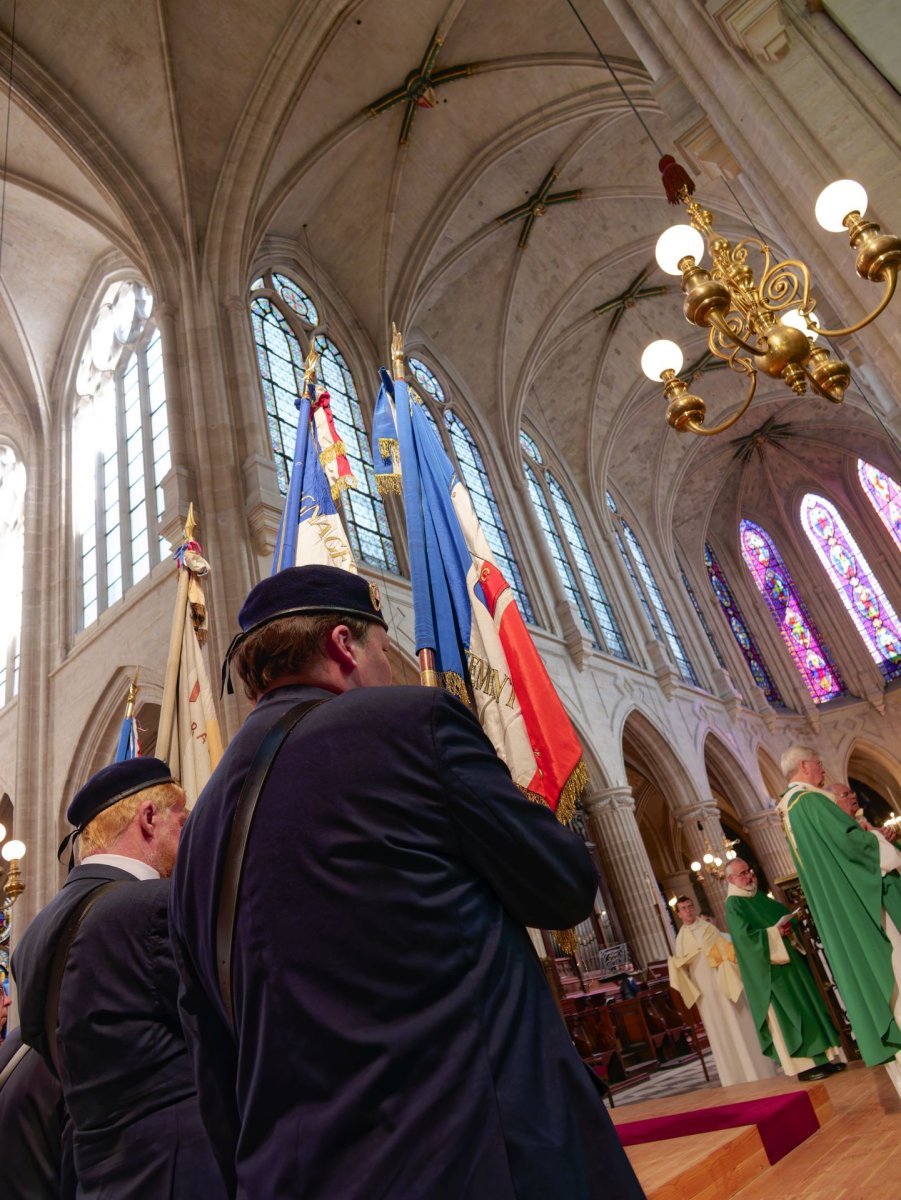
{"x":32,"y":1123}
{"x":123,"y":1064}
{"x":396,"y":1038}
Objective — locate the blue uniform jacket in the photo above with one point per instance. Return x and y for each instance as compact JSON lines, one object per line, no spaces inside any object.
{"x":396,"y":1036}
{"x":124,"y":1067}
{"x":36,"y":1156}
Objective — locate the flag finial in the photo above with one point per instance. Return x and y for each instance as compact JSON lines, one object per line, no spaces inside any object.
{"x":190,"y":523}
{"x":397,"y":352}
{"x":311,"y":362}
{"x":132,"y":695}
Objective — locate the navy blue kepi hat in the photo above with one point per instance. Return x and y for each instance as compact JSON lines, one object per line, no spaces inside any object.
{"x":114,"y":783}
{"x":310,"y":591}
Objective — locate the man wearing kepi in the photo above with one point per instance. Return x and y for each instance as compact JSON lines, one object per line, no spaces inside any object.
{"x":98,"y":996}
{"x":851,"y":882}
{"x":371,"y":1021}
{"x":793,"y":1023}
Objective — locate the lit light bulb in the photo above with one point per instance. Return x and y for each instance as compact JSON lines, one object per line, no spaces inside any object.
{"x":676,"y":243}
{"x":672,"y":902}
{"x":2,"y":832}
{"x":13,"y":850}
{"x":837,"y":200}
{"x":708,"y":859}
{"x":730,"y":854}
{"x":796,"y":320}
{"x":695,"y":866}
{"x":717,"y":862}
{"x":662,"y":355}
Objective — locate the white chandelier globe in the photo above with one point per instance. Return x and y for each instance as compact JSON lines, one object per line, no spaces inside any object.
{"x":662,"y":355}
{"x":836,"y":201}
{"x":677,"y":243}
{"x":795,"y":320}
{"x":696,"y":866}
{"x":13,"y":850}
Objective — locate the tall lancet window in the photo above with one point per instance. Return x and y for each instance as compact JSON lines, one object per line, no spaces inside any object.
{"x":648,"y":592}
{"x":569,"y":550}
{"x":860,"y":590}
{"x":796,"y":627}
{"x":885,"y":496}
{"x":120,"y":450}
{"x":466,"y":457}
{"x":739,"y":626}
{"x":12,"y":554}
{"x":285,"y":321}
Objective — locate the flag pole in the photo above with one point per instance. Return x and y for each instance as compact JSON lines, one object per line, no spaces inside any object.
{"x":170,"y":686}
{"x":286,"y":544}
{"x":428,"y":676}
{"x":127,"y":730}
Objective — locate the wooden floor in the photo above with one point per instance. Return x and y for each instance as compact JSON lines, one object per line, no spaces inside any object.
{"x":853,"y":1156}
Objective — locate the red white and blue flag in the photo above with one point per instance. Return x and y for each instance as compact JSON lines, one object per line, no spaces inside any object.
{"x":465,"y":611}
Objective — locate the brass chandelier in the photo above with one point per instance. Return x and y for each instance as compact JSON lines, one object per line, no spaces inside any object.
{"x":764,"y":323}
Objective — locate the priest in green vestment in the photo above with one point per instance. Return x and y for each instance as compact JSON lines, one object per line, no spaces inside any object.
{"x":793,"y":1023}
{"x":851,"y":881}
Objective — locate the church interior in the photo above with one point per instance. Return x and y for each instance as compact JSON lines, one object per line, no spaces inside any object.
{"x":194,"y":195}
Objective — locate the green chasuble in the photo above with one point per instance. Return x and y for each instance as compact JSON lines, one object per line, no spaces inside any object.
{"x":789,"y":987}
{"x":838,"y":865}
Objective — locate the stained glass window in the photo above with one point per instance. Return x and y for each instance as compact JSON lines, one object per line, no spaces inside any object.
{"x":427,"y":378}
{"x":852,"y":578}
{"x":283,"y":318}
{"x":12,"y":561}
{"x":120,"y":449}
{"x":739,"y":627}
{"x":700,"y":615}
{"x":775,"y":584}
{"x":572,"y":558}
{"x":659,"y":605}
{"x":885,"y":496}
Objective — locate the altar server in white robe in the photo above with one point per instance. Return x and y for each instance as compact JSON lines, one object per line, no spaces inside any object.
{"x":704,"y":972}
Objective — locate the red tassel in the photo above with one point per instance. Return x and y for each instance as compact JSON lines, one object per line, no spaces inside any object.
{"x":676,"y":180}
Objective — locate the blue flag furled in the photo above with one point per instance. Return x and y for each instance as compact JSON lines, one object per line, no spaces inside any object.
{"x":311,"y":529}
{"x":465,"y":611}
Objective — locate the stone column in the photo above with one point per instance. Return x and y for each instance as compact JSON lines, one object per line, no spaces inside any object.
{"x":700,"y":822}
{"x":611,"y":813}
{"x":770,"y":846}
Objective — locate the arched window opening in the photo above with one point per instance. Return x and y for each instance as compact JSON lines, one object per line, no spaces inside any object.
{"x":466,"y":457}
{"x":120,"y":450}
{"x":739,"y":628}
{"x":885,"y":496}
{"x":569,"y":550}
{"x":649,"y":594}
{"x":12,"y":557}
{"x":701,"y":618}
{"x":850,"y":574}
{"x":796,"y":628}
{"x":284,"y":319}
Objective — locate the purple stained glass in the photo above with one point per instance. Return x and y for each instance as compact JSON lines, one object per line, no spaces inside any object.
{"x":885,"y":496}
{"x":809,"y":654}
{"x":740,"y":630}
{"x":876,"y":620}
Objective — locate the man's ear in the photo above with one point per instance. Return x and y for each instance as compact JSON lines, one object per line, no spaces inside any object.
{"x":148,"y":816}
{"x":340,"y":647}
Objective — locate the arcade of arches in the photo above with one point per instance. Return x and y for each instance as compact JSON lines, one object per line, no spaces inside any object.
{"x":195,"y":196}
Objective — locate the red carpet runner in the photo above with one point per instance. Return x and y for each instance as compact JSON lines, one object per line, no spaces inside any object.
{"x":783,"y":1122}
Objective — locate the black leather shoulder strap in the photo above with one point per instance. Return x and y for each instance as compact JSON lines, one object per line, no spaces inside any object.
{"x":60,"y":957}
{"x":254,"y":782}
{"x":13,"y":1063}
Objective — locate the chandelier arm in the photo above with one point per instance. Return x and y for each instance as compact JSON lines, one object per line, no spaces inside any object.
{"x":718,"y":321}
{"x":695,"y":427}
{"x":890,"y":284}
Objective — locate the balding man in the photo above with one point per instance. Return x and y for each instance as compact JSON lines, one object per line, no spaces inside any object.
{"x":846,"y":798}
{"x":793,"y":1024}
{"x":852,"y":885}
{"x":98,"y":996}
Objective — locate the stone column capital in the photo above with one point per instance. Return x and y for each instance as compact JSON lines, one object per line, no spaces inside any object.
{"x":704,"y":810}
{"x":609,"y":800}
{"x":759,"y":820}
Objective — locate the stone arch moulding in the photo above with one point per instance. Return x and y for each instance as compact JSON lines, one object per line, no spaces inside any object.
{"x":878,"y":769}
{"x":770,"y":773}
{"x":728,"y":776}
{"x":651,"y":751}
{"x":97,"y":743}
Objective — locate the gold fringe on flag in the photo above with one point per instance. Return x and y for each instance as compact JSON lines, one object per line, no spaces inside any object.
{"x":330,"y":453}
{"x":341,"y":484}
{"x":389,"y":448}
{"x":389,"y":484}
{"x":573,"y":788}
{"x":454,"y":683}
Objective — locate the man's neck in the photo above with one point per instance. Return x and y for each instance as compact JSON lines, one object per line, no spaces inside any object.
{"x":125,"y":862}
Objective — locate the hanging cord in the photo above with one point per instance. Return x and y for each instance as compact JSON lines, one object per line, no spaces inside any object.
{"x":9,"y":104}
{"x":616,"y":78}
